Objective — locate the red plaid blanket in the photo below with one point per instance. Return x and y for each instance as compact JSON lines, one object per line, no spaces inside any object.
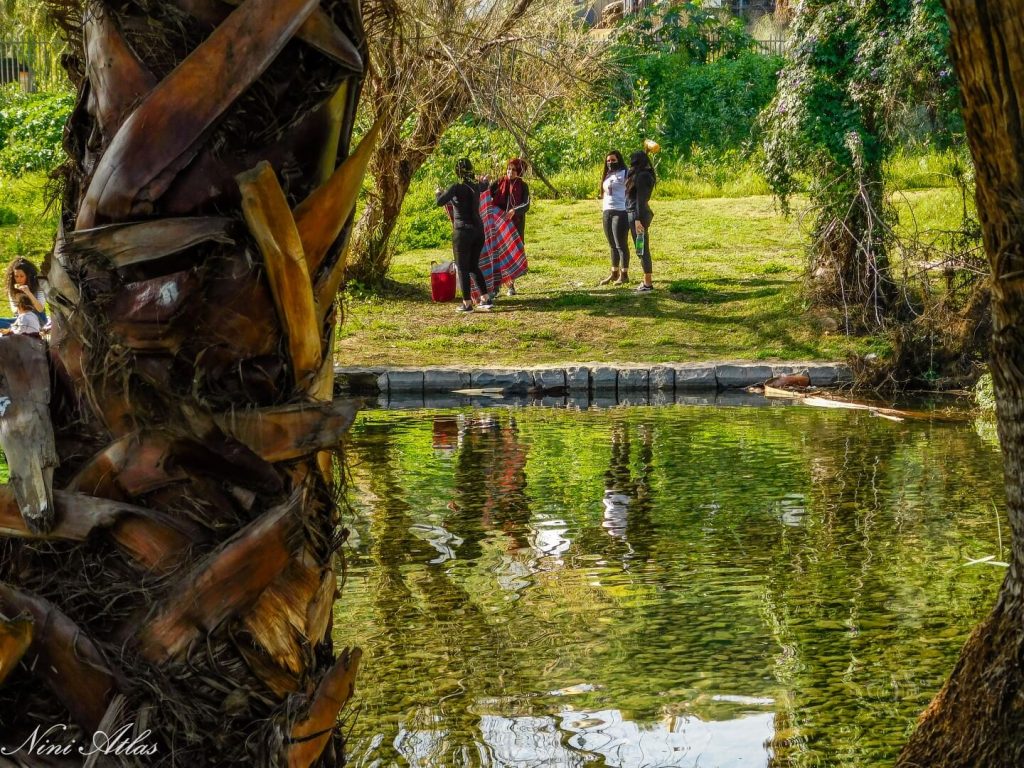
{"x":503,"y":258}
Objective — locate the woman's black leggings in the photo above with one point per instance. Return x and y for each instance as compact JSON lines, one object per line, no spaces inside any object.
{"x":645,"y":255}
{"x":616,"y":229}
{"x":468,"y":243}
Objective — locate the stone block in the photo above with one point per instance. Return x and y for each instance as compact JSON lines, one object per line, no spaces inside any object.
{"x":604,"y":379}
{"x":358,"y":381}
{"x":695,"y":377}
{"x":506,"y":380}
{"x":739,"y":375}
{"x":663,"y":379}
{"x":633,"y":380}
{"x":828,"y":374}
{"x":577,"y":378}
{"x":786,"y":369}
{"x":549,"y":378}
{"x":405,"y":381}
{"x":445,"y":380}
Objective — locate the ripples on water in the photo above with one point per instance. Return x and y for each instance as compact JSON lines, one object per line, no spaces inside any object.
{"x":659,"y":587}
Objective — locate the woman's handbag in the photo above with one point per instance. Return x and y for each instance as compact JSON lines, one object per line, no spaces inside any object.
{"x":442,"y":281}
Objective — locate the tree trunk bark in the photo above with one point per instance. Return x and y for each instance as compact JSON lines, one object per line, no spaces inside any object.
{"x":392,"y":176}
{"x":976,"y":719}
{"x":184,"y":587}
{"x":851,"y":264}
{"x":394,"y":163}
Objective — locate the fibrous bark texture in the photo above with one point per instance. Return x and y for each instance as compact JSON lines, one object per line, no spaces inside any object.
{"x":977,"y":719}
{"x":172,"y":580}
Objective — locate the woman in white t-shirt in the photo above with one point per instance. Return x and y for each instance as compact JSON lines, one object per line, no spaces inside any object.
{"x":23,"y":280}
{"x":616,"y":217}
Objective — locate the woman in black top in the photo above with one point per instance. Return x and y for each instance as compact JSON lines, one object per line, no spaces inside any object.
{"x":467,"y":232}
{"x":640,"y":181}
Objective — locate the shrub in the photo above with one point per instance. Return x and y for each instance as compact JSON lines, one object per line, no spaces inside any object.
{"x":31,"y":128}
{"x":423,"y":224}
{"x":714,"y":107}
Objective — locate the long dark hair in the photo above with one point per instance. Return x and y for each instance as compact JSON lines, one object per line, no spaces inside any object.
{"x":31,"y":273}
{"x":464,"y":170}
{"x":639,"y":162}
{"x":619,"y":165}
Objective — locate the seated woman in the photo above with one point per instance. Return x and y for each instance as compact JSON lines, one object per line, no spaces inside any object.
{"x":23,"y":280}
{"x":27,"y":321}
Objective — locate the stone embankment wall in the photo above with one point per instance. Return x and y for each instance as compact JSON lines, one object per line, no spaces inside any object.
{"x":596,"y":383}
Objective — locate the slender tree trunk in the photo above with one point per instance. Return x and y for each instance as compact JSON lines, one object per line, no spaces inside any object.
{"x":392,"y":167}
{"x":392,"y":176}
{"x":180,"y":581}
{"x":851,"y":261}
{"x":977,"y":719}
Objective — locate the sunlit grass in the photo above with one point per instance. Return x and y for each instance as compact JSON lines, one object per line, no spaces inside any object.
{"x":728,"y":276}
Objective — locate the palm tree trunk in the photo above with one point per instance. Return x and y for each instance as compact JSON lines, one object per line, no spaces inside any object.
{"x":976,"y":718}
{"x":182,"y":584}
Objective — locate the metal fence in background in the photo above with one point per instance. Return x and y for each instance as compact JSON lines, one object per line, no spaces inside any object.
{"x":772,"y":46}
{"x":33,"y":65}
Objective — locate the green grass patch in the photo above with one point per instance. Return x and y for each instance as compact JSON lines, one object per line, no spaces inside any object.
{"x":728,"y":276}
{"x":692,"y":289}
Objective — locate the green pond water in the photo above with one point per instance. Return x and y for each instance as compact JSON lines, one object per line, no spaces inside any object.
{"x":678,"y":586}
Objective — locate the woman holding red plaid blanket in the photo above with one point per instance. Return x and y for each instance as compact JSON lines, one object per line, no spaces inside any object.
{"x":511,"y":195}
{"x":503,"y":258}
{"x":463,"y":197}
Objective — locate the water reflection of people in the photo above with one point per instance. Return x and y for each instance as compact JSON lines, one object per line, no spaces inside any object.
{"x":490,"y":484}
{"x":628,"y":499}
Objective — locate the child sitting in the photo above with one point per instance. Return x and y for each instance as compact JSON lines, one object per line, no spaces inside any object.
{"x":27,"y":320}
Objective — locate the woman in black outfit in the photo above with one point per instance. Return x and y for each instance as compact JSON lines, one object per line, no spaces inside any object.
{"x":467,"y":232}
{"x":640,"y":181}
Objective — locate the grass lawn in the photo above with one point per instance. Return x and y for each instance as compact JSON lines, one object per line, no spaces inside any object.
{"x":728,"y":284}
{"x":728,"y":277}
{"x":26,"y":226}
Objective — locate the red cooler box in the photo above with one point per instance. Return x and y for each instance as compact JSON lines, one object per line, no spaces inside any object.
{"x":442,"y":281}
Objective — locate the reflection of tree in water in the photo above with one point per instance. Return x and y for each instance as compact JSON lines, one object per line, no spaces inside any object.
{"x":420,"y":602}
{"x":878,"y":500}
{"x":628,"y":496}
{"x":392,"y":548}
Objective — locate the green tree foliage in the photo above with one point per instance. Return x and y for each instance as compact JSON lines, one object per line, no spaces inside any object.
{"x":31,"y":127}
{"x":714,"y":107}
{"x":859,"y":73}
{"x":696,"y":74}
{"x":686,"y":30}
